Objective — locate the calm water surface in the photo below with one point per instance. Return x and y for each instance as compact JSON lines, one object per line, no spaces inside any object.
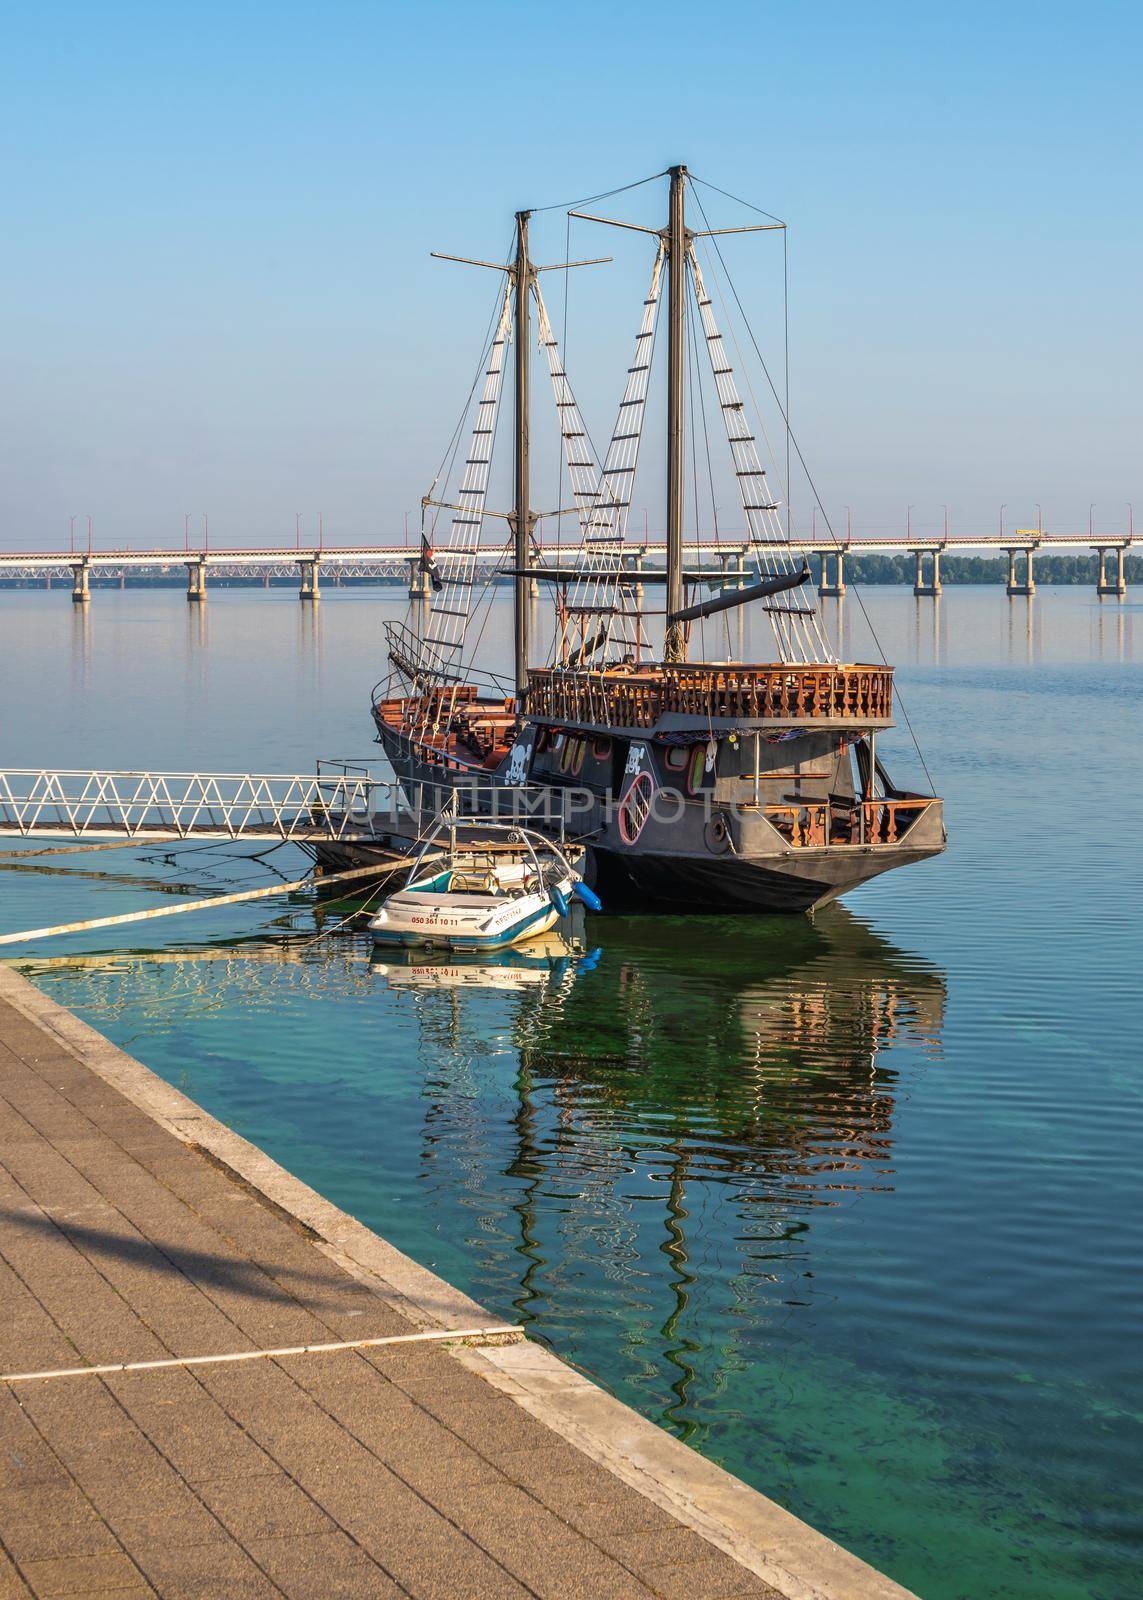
{"x":854,"y":1207}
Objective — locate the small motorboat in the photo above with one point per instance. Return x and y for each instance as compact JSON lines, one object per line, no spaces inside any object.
{"x":499,"y":884}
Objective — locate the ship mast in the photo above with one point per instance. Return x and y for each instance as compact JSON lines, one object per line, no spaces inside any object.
{"x":675,"y":234}
{"x":676,"y":242}
{"x":521,"y":510}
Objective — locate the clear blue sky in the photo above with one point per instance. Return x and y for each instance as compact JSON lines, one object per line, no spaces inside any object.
{"x":217,"y":220}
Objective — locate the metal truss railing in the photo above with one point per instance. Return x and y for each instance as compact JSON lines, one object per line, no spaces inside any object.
{"x":86,"y":804}
{"x":342,"y":801}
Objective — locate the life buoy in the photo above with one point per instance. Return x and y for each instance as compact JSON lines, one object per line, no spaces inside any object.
{"x":716,"y":834}
{"x":635,"y":806}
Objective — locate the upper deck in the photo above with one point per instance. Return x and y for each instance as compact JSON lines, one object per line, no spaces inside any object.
{"x":640,"y":697}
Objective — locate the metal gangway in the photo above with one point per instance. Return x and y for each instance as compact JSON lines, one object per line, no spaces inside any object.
{"x":337,"y":802}
{"x":340,"y":802}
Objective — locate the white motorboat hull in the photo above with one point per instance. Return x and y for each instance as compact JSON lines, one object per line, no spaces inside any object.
{"x":408,"y":920}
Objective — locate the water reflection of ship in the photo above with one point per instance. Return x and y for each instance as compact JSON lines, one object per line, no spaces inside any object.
{"x":757,"y":1067}
{"x":768,"y":1022}
{"x":766,"y":1063}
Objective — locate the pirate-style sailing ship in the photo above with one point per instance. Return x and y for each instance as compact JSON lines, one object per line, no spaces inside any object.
{"x":699,"y":785}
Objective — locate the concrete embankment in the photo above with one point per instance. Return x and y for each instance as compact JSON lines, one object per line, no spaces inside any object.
{"x":137,"y":1232}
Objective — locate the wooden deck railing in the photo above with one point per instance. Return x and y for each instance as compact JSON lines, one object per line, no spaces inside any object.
{"x":811,"y":824}
{"x":637,"y":697}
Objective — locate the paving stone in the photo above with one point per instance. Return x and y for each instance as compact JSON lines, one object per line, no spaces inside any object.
{"x":143,"y":1508}
{"x":427,"y":1472}
{"x":80,"y":1575}
{"x":206,"y":1572}
{"x":192,"y":1431}
{"x":38,"y":1522}
{"x":614,"y":1527}
{"x":534,"y":1544}
{"x":538,"y":1463}
{"x":648,"y":1546}
{"x":713,"y":1578}
{"x":581,"y":1493}
{"x":423,"y":1550}
{"x":12,"y":1586}
{"x":324,"y":1567}
{"x":24,"y":1456}
{"x":144,"y":1592}
{"x":495,"y":1426}
{"x":269,"y":1506}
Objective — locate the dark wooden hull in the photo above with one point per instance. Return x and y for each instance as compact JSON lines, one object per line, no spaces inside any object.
{"x":715,"y":859}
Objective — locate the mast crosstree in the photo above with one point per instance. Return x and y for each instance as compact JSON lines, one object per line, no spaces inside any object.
{"x":797,"y":629}
{"x":600,"y":623}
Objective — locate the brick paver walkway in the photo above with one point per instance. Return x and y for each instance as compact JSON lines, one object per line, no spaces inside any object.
{"x":387,"y":1473}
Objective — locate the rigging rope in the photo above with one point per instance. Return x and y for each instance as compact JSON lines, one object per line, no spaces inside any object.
{"x":809,"y":476}
{"x":589,"y":199}
{"x":800,"y":637}
{"x":600,"y":605}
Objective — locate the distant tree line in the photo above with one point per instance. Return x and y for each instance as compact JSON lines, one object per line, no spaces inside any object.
{"x":1078,"y":569}
{"x":872,"y":569}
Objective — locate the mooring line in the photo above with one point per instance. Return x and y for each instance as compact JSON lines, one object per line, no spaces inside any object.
{"x":430,"y":1335}
{"x":264,"y":893}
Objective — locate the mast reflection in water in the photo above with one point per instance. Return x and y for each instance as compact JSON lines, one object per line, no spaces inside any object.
{"x":684,"y":1110}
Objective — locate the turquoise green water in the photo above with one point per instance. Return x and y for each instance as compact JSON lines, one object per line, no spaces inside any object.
{"x":854,"y":1207}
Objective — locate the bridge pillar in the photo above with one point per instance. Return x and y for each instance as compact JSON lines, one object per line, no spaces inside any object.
{"x":310,"y":587}
{"x":80,"y":588}
{"x":419,"y":586}
{"x":933,"y":586}
{"x":732,"y":572}
{"x":832,"y":585}
{"x":634,"y":564}
{"x":1112,"y":588}
{"x":196,"y":581}
{"x":1028,"y":586}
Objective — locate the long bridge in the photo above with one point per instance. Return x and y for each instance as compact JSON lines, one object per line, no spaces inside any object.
{"x":715,"y":560}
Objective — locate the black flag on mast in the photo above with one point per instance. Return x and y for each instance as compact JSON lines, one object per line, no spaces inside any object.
{"x":429,"y":564}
